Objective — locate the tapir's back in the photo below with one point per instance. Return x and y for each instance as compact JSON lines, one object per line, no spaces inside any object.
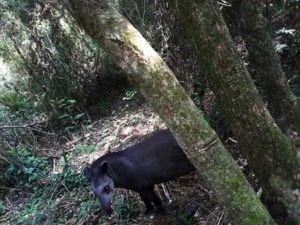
{"x":157,"y":159}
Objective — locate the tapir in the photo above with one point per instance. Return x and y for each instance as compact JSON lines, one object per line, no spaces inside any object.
{"x":156,"y":159}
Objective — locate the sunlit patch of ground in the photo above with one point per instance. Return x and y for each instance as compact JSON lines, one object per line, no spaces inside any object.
{"x":5,"y":74}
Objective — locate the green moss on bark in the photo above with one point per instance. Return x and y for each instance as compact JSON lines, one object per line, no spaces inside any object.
{"x":265,"y":62}
{"x":295,"y":115}
{"x":268,"y":151}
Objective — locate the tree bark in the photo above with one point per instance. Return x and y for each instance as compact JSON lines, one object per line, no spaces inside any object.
{"x":269,"y":152}
{"x":267,"y":70}
{"x":149,"y":73}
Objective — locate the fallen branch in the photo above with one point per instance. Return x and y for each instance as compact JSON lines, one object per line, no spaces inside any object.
{"x":31,"y":125}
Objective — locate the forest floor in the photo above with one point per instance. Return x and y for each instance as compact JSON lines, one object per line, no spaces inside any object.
{"x":49,"y":187}
{"x":62,"y":195}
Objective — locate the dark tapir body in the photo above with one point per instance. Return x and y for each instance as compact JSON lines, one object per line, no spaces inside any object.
{"x":157,"y":159}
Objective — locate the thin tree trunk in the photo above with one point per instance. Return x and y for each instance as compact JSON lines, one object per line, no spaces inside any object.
{"x":266,"y":65}
{"x":269,"y":152}
{"x":149,"y":73}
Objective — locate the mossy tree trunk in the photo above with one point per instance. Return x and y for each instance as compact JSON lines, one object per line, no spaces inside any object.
{"x":149,"y":73}
{"x":267,"y":69}
{"x":269,"y":152}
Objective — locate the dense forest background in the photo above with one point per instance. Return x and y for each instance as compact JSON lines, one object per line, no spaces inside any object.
{"x":63,"y":103}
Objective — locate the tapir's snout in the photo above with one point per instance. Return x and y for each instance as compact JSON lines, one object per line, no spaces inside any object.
{"x":106,"y":206}
{"x":104,"y":193}
{"x":108,"y":211}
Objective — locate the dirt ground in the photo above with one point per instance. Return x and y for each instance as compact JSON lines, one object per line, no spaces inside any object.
{"x":186,"y":199}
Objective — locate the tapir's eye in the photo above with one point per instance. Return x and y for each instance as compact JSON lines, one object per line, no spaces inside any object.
{"x":106,"y":189}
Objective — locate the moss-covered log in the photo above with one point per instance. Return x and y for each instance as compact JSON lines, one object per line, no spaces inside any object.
{"x":269,"y":152}
{"x":146,"y":69}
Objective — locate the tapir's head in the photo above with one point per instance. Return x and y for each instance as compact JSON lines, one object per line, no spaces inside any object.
{"x":102,"y":183}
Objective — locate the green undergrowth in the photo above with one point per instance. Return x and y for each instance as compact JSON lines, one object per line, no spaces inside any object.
{"x":36,"y":194}
{"x":33,"y":191}
{"x":126,"y":209}
{"x":37,"y":189}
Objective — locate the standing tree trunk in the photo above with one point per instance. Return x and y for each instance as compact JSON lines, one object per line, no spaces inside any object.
{"x":266,"y":65}
{"x":269,"y":152}
{"x":149,"y":73}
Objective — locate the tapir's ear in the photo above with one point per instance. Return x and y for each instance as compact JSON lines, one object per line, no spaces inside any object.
{"x":106,"y":168}
{"x":87,"y":172}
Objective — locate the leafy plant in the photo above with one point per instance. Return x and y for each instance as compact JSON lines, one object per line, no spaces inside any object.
{"x":185,"y":219}
{"x":45,"y":204}
{"x":126,"y":209}
{"x":130,"y":94}
{"x":28,"y":167}
{"x":31,"y":214}
{"x":2,"y":208}
{"x":86,"y":207}
{"x":15,"y":101}
{"x":69,"y":178}
{"x":80,"y":148}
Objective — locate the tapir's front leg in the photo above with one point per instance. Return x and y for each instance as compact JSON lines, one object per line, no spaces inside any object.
{"x":148,"y":196}
{"x":156,"y":200}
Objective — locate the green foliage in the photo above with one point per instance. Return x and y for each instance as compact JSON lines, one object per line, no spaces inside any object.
{"x":63,"y":73}
{"x":80,"y":148}
{"x":69,"y":178}
{"x":31,"y":214}
{"x":5,"y":49}
{"x":185,"y":219}
{"x":15,"y":101}
{"x":280,"y":47}
{"x":2,"y":208}
{"x":60,"y":81}
{"x":130,"y":94}
{"x":208,"y":119}
{"x":53,"y":195}
{"x":42,"y":210}
{"x":27,"y":168}
{"x":67,"y":113}
{"x":87,"y":206}
{"x":126,"y":209}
